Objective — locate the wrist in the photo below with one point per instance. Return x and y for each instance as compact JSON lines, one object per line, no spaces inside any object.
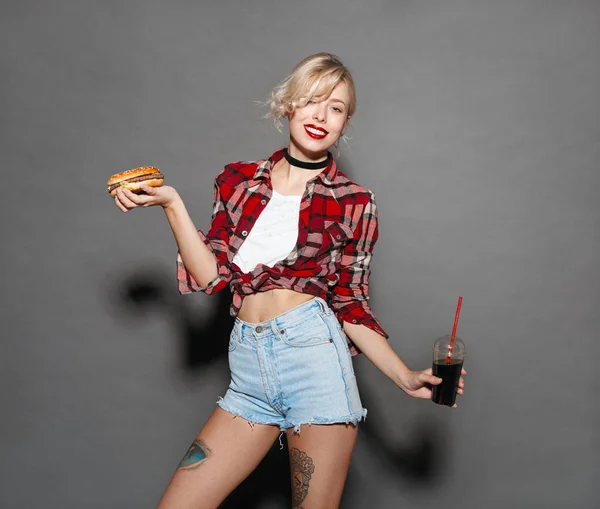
{"x":401,"y":374}
{"x":174,"y":203}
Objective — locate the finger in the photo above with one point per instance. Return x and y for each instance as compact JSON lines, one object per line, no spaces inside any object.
{"x":464,"y":371}
{"x":461,"y":383}
{"x":428,"y":371}
{"x":429,"y":379}
{"x":119,"y":204}
{"x":148,"y":189}
{"x":422,"y":393}
{"x":125,"y":200}
{"x":134,"y":197}
{"x":460,"y":391}
{"x":141,"y":200}
{"x":455,"y":405}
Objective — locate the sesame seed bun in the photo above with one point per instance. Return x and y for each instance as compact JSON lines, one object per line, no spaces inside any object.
{"x":133,"y":179}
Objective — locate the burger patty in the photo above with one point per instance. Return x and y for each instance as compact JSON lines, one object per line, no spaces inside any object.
{"x":150,"y":176}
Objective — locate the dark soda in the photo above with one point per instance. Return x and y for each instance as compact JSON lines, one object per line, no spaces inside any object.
{"x":445,"y":393}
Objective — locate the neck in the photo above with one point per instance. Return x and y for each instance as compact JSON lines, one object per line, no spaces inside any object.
{"x":310,"y":164}
{"x":306,"y":155}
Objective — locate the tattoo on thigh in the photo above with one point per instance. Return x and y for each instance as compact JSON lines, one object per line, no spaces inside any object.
{"x":302,"y":468}
{"x":195,"y":455}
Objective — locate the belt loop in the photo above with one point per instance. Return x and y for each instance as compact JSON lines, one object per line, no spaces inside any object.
{"x":321,"y":304}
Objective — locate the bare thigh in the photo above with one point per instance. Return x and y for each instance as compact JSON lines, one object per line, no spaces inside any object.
{"x":319,"y":461}
{"x":224,"y":453}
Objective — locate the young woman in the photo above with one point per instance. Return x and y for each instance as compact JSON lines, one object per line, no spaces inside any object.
{"x":293,"y":238}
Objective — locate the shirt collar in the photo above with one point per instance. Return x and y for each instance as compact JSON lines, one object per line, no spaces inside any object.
{"x":263,"y":171}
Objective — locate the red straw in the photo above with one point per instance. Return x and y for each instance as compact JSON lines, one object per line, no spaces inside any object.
{"x":454,"y":331}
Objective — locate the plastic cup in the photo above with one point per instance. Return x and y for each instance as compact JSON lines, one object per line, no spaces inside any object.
{"x":447,"y":364}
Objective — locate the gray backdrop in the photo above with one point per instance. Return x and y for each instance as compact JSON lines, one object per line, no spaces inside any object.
{"x":477,"y":128}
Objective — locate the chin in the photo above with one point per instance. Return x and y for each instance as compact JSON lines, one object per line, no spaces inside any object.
{"x":312,"y":147}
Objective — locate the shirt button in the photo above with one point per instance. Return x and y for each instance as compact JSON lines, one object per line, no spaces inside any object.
{"x":262,"y":202}
{"x":354,"y":321}
{"x":244,"y":233}
{"x":338,"y":237}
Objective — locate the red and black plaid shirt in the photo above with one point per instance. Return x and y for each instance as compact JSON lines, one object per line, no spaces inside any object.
{"x":337,"y":230}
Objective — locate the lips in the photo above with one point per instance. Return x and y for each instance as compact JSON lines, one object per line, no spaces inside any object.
{"x":317,"y":133}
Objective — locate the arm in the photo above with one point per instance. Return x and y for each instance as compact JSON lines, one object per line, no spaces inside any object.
{"x":194,"y":254}
{"x":200,"y":258}
{"x":350,"y":302}
{"x":378,"y":350}
{"x":350,"y":296}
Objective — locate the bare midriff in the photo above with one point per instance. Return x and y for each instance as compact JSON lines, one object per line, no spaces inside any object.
{"x":262,"y":306}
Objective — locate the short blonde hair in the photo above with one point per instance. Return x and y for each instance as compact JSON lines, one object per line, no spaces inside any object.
{"x":315,"y":75}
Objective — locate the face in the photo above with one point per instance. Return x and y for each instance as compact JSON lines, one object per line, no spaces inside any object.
{"x":314,"y":128}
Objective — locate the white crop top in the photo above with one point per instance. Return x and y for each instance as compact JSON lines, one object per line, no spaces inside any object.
{"x":274,"y":234}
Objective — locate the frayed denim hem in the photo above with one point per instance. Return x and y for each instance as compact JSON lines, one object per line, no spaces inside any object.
{"x":252,"y":420}
{"x":353,"y":419}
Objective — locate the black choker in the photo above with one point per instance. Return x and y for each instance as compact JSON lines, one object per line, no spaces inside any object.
{"x":303,"y":164}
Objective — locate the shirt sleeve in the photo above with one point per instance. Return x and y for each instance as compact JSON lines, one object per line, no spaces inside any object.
{"x":350,"y":296}
{"x":217,"y":240}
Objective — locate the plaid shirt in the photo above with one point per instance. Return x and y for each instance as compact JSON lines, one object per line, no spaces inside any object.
{"x":336,"y":234}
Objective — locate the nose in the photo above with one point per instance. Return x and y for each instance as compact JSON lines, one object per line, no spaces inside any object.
{"x":319,"y":112}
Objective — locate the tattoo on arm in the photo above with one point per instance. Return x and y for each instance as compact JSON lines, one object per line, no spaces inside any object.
{"x":195,"y":455}
{"x":302,"y":468}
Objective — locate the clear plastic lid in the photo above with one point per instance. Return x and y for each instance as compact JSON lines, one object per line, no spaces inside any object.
{"x":441,"y":348}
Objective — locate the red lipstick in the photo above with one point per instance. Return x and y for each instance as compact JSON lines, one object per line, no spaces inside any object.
{"x":317,"y":133}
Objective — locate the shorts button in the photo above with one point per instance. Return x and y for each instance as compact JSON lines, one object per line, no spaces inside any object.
{"x":244,"y":233}
{"x":282,"y":331}
{"x":259,"y":329}
{"x":331,"y":340}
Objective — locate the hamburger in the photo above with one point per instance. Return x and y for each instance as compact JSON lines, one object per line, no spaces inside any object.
{"x":133,"y":179}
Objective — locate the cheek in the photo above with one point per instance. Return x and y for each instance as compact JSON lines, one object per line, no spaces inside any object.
{"x":339,"y":126}
{"x":300,"y":114}
{"x":296,"y":121}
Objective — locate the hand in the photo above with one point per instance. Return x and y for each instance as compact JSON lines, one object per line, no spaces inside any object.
{"x":415,"y":383}
{"x":163,"y":196}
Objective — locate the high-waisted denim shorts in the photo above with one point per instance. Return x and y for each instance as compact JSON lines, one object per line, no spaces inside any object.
{"x":293,"y":369}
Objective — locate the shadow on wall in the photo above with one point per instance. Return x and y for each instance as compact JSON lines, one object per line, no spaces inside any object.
{"x":146,"y":290}
{"x":418,"y":462}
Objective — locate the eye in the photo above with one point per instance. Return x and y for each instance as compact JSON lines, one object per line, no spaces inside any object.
{"x":337,"y":110}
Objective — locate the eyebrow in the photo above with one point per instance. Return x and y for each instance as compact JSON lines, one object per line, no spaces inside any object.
{"x":333,"y":99}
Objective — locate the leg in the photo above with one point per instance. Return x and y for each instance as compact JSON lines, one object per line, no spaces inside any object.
{"x":319,"y":461}
{"x":225,"y":452}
